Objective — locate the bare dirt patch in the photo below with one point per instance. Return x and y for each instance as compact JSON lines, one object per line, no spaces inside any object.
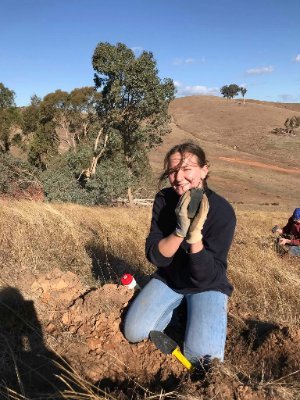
{"x":261,"y":165}
{"x":58,"y":321}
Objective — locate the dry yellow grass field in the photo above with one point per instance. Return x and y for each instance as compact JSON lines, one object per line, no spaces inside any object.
{"x":40,"y":237}
{"x":100,"y":243}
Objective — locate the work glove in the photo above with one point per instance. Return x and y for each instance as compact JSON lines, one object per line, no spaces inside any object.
{"x":195,"y":231}
{"x":181,"y":212}
{"x":196,"y":197}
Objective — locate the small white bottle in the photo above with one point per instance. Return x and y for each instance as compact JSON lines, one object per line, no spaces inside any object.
{"x":129,"y":281}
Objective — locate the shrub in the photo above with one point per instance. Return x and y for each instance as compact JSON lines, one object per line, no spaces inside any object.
{"x":18,"y":179}
{"x":61,"y":181}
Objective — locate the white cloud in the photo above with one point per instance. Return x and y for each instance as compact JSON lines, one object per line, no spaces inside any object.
{"x":260,"y":71}
{"x":181,"y":61}
{"x":177,"y":83}
{"x":297,"y":58}
{"x":195,"y":90}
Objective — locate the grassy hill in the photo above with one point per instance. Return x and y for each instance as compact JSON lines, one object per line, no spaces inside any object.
{"x":250,"y":165}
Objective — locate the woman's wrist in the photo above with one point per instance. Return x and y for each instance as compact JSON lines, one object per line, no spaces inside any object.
{"x":196,"y":247}
{"x":169,"y":245}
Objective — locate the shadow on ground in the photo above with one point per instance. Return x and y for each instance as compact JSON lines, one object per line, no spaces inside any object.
{"x":27,"y":366}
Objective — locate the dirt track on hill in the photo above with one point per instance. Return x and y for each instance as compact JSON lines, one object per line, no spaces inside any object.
{"x":248,"y":164}
{"x":260,"y":165}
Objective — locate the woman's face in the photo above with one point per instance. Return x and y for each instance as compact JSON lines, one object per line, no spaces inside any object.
{"x":185,"y":172}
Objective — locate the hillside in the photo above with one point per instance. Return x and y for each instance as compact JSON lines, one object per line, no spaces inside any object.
{"x":249,"y":165}
{"x":62,"y":306}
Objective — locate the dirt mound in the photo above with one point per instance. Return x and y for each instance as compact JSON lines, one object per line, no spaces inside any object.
{"x":94,"y":316}
{"x":80,"y":328}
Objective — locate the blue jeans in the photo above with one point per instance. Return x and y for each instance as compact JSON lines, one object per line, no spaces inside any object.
{"x":206,"y":326}
{"x":294,"y":251}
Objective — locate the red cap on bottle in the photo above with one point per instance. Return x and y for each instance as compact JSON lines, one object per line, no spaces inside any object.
{"x":126,"y":279}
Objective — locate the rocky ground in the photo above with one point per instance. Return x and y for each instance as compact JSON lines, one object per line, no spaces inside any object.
{"x":53,"y":325}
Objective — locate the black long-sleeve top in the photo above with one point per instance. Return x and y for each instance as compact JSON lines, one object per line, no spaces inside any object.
{"x":292,"y":228}
{"x":188,"y":273}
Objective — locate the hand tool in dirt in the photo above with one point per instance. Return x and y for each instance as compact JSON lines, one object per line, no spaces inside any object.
{"x":168,"y":346}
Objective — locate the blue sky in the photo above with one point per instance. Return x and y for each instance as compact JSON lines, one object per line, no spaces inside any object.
{"x":201,"y":44}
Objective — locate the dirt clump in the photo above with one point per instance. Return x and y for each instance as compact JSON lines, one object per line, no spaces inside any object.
{"x":80,"y":328}
{"x":93,"y":317}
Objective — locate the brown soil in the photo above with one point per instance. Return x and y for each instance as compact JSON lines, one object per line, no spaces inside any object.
{"x":249,"y":165}
{"x":261,"y":165}
{"x":83,"y":325}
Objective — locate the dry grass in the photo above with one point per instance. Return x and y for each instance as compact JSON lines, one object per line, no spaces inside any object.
{"x":39,"y":237}
{"x":266,"y":285}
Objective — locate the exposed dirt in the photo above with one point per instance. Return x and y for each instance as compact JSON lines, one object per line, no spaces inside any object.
{"x":261,"y":165}
{"x":249,"y":165}
{"x":55,"y":314}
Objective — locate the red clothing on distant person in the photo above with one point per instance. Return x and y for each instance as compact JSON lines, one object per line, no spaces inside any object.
{"x":292,"y":228}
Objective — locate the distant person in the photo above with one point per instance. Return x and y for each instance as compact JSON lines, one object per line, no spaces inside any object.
{"x":290,"y":234}
{"x":191,"y":232}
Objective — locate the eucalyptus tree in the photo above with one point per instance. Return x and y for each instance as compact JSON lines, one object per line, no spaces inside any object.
{"x":57,"y":109}
{"x":133,"y":109}
{"x":10,"y":119}
{"x":31,"y":115}
{"x":230,"y":91}
{"x":7,"y":97}
{"x":243,"y":91}
{"x":83,"y":103}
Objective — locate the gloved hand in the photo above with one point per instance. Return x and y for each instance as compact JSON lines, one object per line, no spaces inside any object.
{"x":196,"y":197}
{"x":181,"y":211}
{"x":195,"y":231}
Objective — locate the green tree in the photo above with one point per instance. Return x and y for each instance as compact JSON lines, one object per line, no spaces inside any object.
{"x":57,"y":109}
{"x":133,"y":106}
{"x":31,"y":116}
{"x":243,"y":91}
{"x":43,"y":146}
{"x":230,"y":91}
{"x":44,"y":143}
{"x":10,"y":119}
{"x":73,"y":113}
{"x":83,"y":103}
{"x":7,"y":97}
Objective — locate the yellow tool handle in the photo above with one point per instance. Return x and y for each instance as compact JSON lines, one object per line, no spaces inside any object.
{"x":177,"y":353}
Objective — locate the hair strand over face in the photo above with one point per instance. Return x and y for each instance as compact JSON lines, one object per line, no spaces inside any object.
{"x":183,"y":148}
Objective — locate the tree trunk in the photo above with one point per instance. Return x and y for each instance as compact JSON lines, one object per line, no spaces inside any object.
{"x":129,"y":172}
{"x":91,"y":170}
{"x":85,"y":129}
{"x":130,"y":197}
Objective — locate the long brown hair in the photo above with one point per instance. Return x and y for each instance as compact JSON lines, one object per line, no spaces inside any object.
{"x":183,"y":148}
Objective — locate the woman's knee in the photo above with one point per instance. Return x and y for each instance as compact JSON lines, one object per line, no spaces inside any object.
{"x":133,"y":332}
